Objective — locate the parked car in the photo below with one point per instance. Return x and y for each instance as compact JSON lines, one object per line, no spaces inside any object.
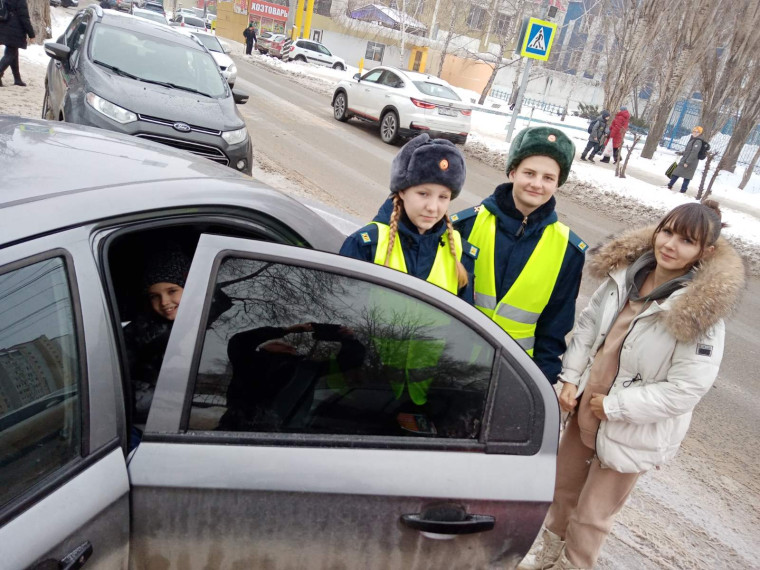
{"x":276,"y":45}
{"x":265,"y":39}
{"x":154,"y":7}
{"x":219,"y":53}
{"x":124,"y":5}
{"x":137,"y":77}
{"x":150,"y":15}
{"x":311,"y":52}
{"x":70,"y":3}
{"x":188,"y":22}
{"x":464,"y":478}
{"x":404,"y":104}
{"x":55,"y":3}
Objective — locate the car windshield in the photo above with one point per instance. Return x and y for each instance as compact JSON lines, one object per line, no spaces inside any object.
{"x":192,"y":21}
{"x":436,"y":90}
{"x":153,"y":59}
{"x":210,"y":42}
{"x":148,"y":15}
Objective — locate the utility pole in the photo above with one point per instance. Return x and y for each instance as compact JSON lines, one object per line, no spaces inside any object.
{"x":523,"y":84}
{"x":435,"y":16}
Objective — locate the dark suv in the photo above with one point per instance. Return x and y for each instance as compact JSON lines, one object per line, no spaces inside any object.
{"x":137,"y":77}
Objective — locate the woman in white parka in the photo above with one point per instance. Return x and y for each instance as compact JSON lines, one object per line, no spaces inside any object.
{"x":642,"y":355}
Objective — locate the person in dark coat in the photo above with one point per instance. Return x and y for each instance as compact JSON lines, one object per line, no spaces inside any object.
{"x":250,"y":38}
{"x":618,"y":129}
{"x":13,"y":34}
{"x":599,"y":129}
{"x":687,"y":166}
{"x":524,"y":211}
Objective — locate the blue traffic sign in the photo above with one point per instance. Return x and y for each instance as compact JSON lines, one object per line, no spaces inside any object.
{"x":538,"y":39}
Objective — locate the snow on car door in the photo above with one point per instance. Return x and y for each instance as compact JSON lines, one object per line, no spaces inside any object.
{"x":318,"y":411}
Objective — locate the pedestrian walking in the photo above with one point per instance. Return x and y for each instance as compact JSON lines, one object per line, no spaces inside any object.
{"x":597,"y":132}
{"x":13,"y":33}
{"x":687,"y":166}
{"x":250,"y":38}
{"x":528,"y":271}
{"x":645,"y":350}
{"x":412,"y":231}
{"x":618,"y":129}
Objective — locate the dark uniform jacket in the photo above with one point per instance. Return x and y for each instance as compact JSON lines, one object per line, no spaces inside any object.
{"x":419,"y":250}
{"x":515,"y":243}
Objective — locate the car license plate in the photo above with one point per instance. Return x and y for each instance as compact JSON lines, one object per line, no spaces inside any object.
{"x":447,"y":111}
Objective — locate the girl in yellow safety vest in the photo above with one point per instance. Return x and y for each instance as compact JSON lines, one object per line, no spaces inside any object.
{"x":412,"y":231}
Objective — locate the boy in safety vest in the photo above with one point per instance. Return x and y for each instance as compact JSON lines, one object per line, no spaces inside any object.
{"x":528,"y":271}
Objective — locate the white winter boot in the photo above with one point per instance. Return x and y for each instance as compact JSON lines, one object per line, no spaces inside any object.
{"x":548,"y":553}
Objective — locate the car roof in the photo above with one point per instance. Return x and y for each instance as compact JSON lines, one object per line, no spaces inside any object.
{"x":147,"y":27}
{"x":58,"y":175}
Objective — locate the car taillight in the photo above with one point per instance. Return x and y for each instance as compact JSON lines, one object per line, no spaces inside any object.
{"x":467,"y":112}
{"x":422,"y":104}
{"x":182,"y":25}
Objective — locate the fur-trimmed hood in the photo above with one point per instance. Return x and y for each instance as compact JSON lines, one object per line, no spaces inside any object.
{"x":710,"y":296}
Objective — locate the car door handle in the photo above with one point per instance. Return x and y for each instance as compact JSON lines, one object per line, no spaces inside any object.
{"x":72,"y":561}
{"x":367,"y":90}
{"x":448,"y":519}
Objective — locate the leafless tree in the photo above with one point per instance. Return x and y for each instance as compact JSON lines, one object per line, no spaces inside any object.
{"x":39,"y":14}
{"x":708,"y":161}
{"x":622,"y":165}
{"x":750,"y":169}
{"x":681,"y":48}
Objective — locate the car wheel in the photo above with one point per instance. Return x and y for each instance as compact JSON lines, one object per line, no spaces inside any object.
{"x":389,"y":127}
{"x":339,"y":67}
{"x":46,"y":112}
{"x":340,"y":107}
{"x":300,"y":58}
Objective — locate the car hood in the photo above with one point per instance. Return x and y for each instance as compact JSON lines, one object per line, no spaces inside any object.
{"x":164,"y":102}
{"x":222,"y":59}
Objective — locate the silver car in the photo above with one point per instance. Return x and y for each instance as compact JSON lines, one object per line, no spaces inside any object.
{"x":333,"y":465}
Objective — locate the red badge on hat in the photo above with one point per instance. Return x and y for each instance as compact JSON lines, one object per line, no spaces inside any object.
{"x":444,"y":164}
{"x":552,"y":138}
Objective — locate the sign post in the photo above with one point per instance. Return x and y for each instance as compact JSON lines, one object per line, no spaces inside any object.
{"x":535,"y":44}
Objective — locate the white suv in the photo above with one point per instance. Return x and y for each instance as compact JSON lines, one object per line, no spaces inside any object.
{"x":404,"y":103}
{"x":313,"y":52}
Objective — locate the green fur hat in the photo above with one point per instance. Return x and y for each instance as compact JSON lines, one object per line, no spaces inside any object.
{"x":542,"y":141}
{"x":424,"y":160}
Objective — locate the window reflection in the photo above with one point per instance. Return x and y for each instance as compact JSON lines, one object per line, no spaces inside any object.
{"x":306,"y":351}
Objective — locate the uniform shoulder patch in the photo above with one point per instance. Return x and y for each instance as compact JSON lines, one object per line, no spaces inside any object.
{"x":575,"y":239}
{"x":368,"y":234}
{"x":470,"y":250}
{"x":704,"y":350}
{"x":465,"y":214}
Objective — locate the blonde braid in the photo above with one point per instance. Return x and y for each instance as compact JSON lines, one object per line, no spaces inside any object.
{"x":394,"y":227}
{"x":462,"y":277}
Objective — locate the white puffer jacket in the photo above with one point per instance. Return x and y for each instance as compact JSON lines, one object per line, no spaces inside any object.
{"x":669,"y":358}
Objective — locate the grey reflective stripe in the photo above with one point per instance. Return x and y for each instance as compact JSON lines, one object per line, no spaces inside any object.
{"x":485,"y":301}
{"x":520,"y":315}
{"x":526,"y":343}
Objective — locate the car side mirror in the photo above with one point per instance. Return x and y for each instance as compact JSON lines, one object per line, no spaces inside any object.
{"x":357,"y":77}
{"x":57,"y":51}
{"x":240,"y":97}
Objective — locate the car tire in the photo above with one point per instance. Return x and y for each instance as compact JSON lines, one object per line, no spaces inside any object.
{"x":300,"y":58}
{"x":340,"y":107}
{"x":389,"y":127}
{"x":46,"y":113}
{"x":339,"y":67}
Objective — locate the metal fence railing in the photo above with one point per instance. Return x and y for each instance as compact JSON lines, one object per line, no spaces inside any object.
{"x":499,"y":93}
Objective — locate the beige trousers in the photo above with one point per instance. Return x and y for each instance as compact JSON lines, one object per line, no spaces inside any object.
{"x":586,"y":498}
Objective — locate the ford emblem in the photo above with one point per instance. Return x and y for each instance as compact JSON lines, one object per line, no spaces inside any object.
{"x":182,"y":127}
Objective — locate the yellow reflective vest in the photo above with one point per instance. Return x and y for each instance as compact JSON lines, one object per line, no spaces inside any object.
{"x":518,"y":311}
{"x":444,"y":271}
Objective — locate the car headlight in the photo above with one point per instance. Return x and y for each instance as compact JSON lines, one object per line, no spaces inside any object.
{"x":118,"y":114}
{"x":234,"y":137}
{"x":231,"y":68}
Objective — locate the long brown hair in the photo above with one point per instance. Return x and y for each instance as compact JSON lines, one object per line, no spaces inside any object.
{"x":698,"y":221}
{"x":398,"y":205}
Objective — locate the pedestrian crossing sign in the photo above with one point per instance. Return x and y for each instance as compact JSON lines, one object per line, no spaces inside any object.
{"x":537,"y":42}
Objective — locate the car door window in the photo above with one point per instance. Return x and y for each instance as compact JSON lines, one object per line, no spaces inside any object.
{"x":322,"y":49}
{"x":391,"y":80}
{"x":76,"y":38}
{"x":373,"y":76}
{"x":305,"y":351}
{"x":40,"y":398}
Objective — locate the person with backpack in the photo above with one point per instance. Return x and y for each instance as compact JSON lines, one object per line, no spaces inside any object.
{"x":250,"y":38}
{"x":696,"y":150}
{"x":597,"y":131}
{"x":15,"y":26}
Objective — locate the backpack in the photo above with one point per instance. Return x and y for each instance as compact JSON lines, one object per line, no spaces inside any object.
{"x":703,"y":150}
{"x":590,"y":125}
{"x":5,"y":13}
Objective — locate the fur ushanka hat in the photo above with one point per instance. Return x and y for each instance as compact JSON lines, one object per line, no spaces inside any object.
{"x":424,"y":160}
{"x":542,"y":141}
